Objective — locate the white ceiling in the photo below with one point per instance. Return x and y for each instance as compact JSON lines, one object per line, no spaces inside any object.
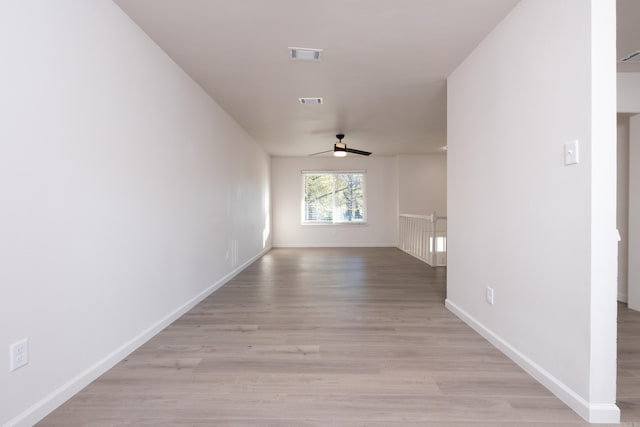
{"x":382,"y":77}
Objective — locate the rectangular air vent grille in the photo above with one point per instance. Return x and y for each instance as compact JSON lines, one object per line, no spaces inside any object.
{"x":305,"y":54}
{"x":306,"y":101}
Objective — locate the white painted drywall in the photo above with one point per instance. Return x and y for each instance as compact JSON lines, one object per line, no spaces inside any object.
{"x":381,"y":194}
{"x":604,"y":237}
{"x":634,"y":213}
{"x":127,"y":194}
{"x":422,"y":184}
{"x":628,"y":91}
{"x":540,"y":233}
{"x":629,"y":102}
{"x":622,"y":220}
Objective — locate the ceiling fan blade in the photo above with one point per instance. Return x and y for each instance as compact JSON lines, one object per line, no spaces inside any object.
{"x":354,"y":151}
{"x":321,"y":152}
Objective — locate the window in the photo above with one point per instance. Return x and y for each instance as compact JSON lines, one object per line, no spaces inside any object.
{"x":333,"y":197}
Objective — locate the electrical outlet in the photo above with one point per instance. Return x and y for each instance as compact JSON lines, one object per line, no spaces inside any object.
{"x":489,"y":295}
{"x":18,"y":354}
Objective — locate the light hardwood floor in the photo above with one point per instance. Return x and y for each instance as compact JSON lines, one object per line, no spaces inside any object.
{"x":628,"y":398}
{"x":329,"y":337}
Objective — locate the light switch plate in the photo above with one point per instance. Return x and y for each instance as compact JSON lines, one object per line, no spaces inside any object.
{"x":571,"y":153}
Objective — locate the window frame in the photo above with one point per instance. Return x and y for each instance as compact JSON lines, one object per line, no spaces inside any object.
{"x":334,"y":173}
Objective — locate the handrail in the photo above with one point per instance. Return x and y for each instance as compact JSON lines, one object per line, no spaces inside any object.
{"x":430,"y":216}
{"x":417,"y":216}
{"x":424,"y":237}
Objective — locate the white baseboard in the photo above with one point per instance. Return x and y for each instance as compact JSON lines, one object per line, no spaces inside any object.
{"x":592,"y":412}
{"x":42,"y":408}
{"x":334,"y":245}
{"x":622,"y":297}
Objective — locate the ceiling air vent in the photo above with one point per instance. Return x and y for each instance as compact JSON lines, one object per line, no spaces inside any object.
{"x":633,"y":57}
{"x":305,"y":54}
{"x":306,"y":101}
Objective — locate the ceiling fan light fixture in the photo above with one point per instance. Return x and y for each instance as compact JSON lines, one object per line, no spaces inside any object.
{"x":305,"y":54}
{"x":340,"y":149}
{"x":632,"y":57}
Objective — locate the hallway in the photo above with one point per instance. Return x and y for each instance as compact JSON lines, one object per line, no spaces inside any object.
{"x":317,"y":337}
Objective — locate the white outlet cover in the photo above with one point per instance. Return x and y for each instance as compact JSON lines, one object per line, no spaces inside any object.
{"x":18,"y":354}
{"x":489,"y":295}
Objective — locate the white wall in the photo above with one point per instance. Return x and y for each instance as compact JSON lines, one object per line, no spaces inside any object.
{"x":628,"y":91}
{"x":629,"y":102}
{"x":622,"y":219}
{"x":540,"y":233}
{"x":634,"y":213}
{"x":422,"y":184}
{"x":381,"y":194}
{"x":127,"y":194}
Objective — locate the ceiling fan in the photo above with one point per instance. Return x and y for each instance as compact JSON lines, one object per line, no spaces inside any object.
{"x":340,"y":149}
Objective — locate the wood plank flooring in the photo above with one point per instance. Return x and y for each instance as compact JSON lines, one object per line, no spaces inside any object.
{"x":329,"y":337}
{"x":628,"y":398}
